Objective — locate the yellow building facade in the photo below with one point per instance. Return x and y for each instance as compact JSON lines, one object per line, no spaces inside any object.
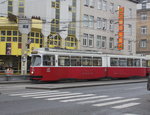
{"x":11,"y":42}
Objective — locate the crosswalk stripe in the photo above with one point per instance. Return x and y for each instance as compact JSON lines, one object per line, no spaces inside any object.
{"x":70,"y":97}
{"x":125,"y":105}
{"x":57,"y":95}
{"x":95,"y":97}
{"x":99,"y":100}
{"x":49,"y":93}
{"x":18,"y":94}
{"x":115,"y":102}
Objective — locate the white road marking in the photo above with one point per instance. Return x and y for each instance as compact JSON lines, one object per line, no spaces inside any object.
{"x":94,"y":97}
{"x":57,"y":95}
{"x":100,"y":100}
{"x":125,"y":105}
{"x":19,"y":94}
{"x":49,"y":93}
{"x":115,"y":102}
{"x":70,"y":97}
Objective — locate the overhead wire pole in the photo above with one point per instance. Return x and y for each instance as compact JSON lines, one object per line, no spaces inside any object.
{"x":24,"y":27}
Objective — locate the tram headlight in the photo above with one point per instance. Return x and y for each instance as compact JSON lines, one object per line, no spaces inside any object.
{"x":32,"y":72}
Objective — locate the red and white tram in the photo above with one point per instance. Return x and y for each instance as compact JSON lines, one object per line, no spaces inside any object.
{"x":58,"y":64}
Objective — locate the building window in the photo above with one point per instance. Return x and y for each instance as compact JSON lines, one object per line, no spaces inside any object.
{"x":98,"y":41}
{"x":130,"y":46}
{"x":111,"y":43}
{"x":99,"y":4}
{"x":91,"y":21}
{"x":86,"y":2}
{"x":91,"y":39}
{"x":85,"y":20}
{"x":85,"y":39}
{"x":143,"y":43}
{"x":103,"y":41}
{"x":130,"y":29}
{"x":105,"y":5}
{"x":111,"y":27}
{"x":143,"y":5}
{"x":92,"y":3}
{"x":143,"y":16}
{"x":112,"y":7}
{"x":104,"y":24}
{"x":144,"y":30}
{"x":130,"y":13}
{"x":99,"y":23}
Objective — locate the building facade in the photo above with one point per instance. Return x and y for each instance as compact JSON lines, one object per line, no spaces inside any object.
{"x":100,"y":28}
{"x":69,"y":24}
{"x":143,"y":27}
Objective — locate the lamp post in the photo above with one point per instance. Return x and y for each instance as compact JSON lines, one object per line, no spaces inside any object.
{"x":24,"y":28}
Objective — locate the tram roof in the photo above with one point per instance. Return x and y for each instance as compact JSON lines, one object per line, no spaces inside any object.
{"x":44,"y":50}
{"x":81,"y":52}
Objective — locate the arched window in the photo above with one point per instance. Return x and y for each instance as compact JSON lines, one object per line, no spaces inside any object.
{"x":54,"y":40}
{"x":71,"y":42}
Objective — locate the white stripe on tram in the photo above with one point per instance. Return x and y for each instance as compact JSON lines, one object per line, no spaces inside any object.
{"x":57,"y":95}
{"x":125,"y":105}
{"x":49,"y":93}
{"x":100,"y":100}
{"x":115,"y":102}
{"x":18,"y":94}
{"x":95,"y":97}
{"x":70,"y":97}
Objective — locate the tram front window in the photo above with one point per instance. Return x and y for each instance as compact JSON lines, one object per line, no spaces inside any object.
{"x":36,"y":60}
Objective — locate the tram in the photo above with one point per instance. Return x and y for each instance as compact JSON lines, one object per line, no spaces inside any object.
{"x":59,"y":64}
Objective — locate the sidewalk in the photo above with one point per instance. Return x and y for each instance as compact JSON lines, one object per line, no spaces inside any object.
{"x":53,"y":86}
{"x":14,"y":79}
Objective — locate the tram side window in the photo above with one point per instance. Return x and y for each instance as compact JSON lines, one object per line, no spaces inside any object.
{"x":64,"y":60}
{"x":136,"y":62}
{"x":87,"y":61}
{"x":130,"y":62}
{"x":36,"y":60}
{"x":148,"y":63}
{"x":97,"y":61}
{"x":122,"y":62}
{"x":75,"y":61}
{"x":114,"y":61}
{"x":143,"y":63}
{"x":48,"y":60}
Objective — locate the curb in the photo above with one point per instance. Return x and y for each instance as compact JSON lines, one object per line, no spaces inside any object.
{"x":66,"y":86}
{"x":14,"y":82}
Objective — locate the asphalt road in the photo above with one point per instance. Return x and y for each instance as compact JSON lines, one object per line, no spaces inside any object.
{"x":123,"y":99}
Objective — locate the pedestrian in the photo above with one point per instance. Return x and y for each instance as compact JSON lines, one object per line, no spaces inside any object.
{"x":9,"y":72}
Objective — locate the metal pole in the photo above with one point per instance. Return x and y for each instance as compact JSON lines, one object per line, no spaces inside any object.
{"x":24,"y":54}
